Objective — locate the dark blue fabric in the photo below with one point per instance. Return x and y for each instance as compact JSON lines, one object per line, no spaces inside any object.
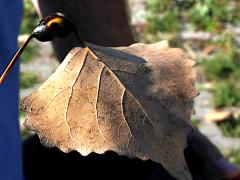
{"x":10,"y":144}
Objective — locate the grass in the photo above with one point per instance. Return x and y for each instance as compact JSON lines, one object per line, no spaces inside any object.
{"x":30,"y":18}
{"x":231,"y":128}
{"x":29,"y":53}
{"x":195,"y":122}
{"x":222,"y":68}
{"x":27,"y":79}
{"x":226,"y":93}
{"x":234,"y":156}
{"x":218,"y":66}
{"x":203,"y":15}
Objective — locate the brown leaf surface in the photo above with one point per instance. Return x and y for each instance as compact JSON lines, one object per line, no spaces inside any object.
{"x":133,"y":101}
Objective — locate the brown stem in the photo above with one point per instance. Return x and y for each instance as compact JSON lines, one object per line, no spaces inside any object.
{"x":14,"y":59}
{"x":79,"y":36}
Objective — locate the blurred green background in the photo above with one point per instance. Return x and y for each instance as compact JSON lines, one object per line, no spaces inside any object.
{"x":209,"y":31}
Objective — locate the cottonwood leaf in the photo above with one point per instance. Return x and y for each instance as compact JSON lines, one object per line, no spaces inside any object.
{"x":133,"y":100}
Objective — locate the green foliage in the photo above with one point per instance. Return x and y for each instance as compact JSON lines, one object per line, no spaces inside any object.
{"x":234,"y":156}
{"x":29,"y":53}
{"x":211,"y":15}
{"x":165,"y":22}
{"x":207,"y":15}
{"x":168,"y":17}
{"x":156,"y":6}
{"x":223,"y":69}
{"x":22,"y":114}
{"x":231,"y":128}
{"x":200,"y":14}
{"x":218,"y":67}
{"x":164,"y":15}
{"x":195,"y":122}
{"x":226,"y":93}
{"x":27,"y":80}
{"x":30,"y":18}
{"x":223,"y":95}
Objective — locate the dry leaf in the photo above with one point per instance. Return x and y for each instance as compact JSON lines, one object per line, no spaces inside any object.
{"x":134,"y":102}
